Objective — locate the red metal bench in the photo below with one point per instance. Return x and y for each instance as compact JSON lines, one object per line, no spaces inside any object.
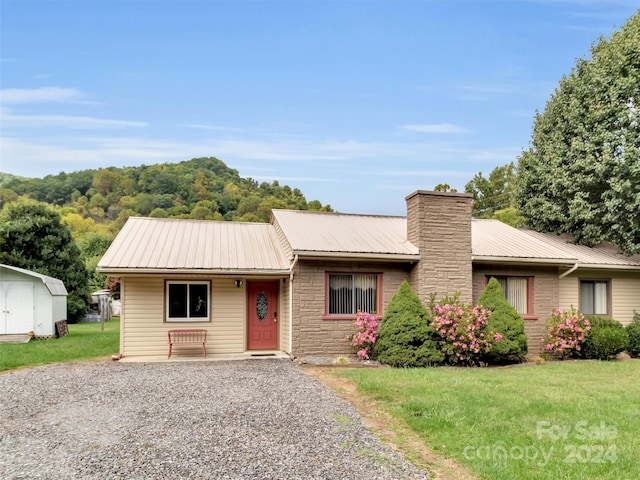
{"x":190,"y":336}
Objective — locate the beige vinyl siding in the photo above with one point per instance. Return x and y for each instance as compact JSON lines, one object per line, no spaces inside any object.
{"x":568,"y":288}
{"x":228,"y":326}
{"x":284,"y":317}
{"x":144,"y":331}
{"x":624,"y":292}
{"x":625,"y":298}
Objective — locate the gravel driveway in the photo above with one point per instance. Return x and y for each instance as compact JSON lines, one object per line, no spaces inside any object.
{"x":257,"y":419}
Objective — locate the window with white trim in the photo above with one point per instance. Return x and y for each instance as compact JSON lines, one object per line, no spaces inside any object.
{"x":594,"y":295}
{"x":349,"y":293}
{"x":516,"y":291}
{"x":187,"y":301}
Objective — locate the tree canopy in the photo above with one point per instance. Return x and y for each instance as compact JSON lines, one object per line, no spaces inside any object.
{"x":581,"y":174}
{"x":493,"y":193}
{"x":493,"y":197}
{"x":32,"y":237}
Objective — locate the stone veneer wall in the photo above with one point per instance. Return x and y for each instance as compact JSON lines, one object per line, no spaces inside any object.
{"x":315,"y":336}
{"x":439,"y":224}
{"x":545,"y":296}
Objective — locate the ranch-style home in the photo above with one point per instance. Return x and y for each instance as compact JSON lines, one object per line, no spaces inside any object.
{"x":294,"y":285}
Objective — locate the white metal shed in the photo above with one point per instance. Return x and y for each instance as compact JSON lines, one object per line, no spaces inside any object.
{"x":30,"y":302}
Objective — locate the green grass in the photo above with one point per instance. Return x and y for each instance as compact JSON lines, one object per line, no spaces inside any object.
{"x":85,"y":341}
{"x":562,"y":420}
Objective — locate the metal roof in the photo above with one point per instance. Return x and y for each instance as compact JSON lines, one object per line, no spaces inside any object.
{"x":147,"y":245}
{"x":492,"y":240}
{"x":339,"y":234}
{"x":150,"y":245}
{"x":55,"y":286}
{"x":605,"y":254}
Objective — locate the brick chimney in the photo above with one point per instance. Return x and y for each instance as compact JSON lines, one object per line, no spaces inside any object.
{"x":439,"y":224}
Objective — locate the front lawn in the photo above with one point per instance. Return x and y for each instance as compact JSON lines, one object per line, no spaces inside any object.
{"x":561,"y":420}
{"x":85,"y":341}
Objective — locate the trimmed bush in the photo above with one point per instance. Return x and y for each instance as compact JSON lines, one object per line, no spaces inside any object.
{"x":463,"y":332}
{"x":606,"y":338}
{"x":405,"y":336}
{"x":506,"y":321}
{"x":633,"y":332}
{"x":565,"y":332}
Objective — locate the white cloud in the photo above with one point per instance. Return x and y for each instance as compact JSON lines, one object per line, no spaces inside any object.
{"x":52,"y":155}
{"x":318,"y":162}
{"x":63,"y":121}
{"x":435,"y":128}
{"x":39,"y":95}
{"x":215,"y":128}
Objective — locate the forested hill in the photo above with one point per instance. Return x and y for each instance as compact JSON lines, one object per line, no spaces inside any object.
{"x":201,"y":188}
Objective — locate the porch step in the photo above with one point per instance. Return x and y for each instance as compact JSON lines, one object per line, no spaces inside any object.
{"x":15,"y":338}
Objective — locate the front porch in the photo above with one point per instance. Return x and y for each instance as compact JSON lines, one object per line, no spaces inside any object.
{"x":215,"y":357}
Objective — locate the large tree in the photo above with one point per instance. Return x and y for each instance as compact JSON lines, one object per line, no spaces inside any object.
{"x":32,"y":237}
{"x":581,"y":174}
{"x":493,"y":193}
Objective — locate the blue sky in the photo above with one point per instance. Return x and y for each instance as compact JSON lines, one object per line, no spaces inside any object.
{"x":357,"y":103}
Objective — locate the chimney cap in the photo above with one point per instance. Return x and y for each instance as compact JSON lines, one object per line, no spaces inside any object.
{"x":432,"y":193}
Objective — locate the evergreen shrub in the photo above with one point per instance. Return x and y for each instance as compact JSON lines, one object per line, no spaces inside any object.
{"x":506,"y":321}
{"x":606,"y":338}
{"x":405,"y":336}
{"x":633,"y":332}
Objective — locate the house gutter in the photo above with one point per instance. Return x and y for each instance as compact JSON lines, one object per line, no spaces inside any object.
{"x":133,"y":271}
{"x":596,"y":266}
{"x":521,"y":260}
{"x":390,"y":257}
{"x":295,"y":261}
{"x":569,"y":272}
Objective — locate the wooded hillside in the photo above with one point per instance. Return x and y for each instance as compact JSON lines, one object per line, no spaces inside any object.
{"x":202,"y":188}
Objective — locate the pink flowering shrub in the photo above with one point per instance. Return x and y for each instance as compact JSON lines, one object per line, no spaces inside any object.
{"x":366,"y":333}
{"x":565,"y":332}
{"x":464,"y":336}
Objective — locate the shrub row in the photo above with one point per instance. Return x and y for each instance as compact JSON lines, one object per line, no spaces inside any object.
{"x":570,"y":333}
{"x":446,"y":333}
{"x":449,"y":333}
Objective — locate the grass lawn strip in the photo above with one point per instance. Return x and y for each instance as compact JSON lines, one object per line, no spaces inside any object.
{"x":85,"y":341}
{"x":558,"y":420}
{"x":394,"y":431}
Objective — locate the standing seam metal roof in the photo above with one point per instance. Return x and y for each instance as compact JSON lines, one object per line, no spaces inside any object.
{"x":345,"y":233}
{"x":492,"y":238}
{"x":152,"y":244}
{"x":604,"y":254}
{"x":199,"y":245}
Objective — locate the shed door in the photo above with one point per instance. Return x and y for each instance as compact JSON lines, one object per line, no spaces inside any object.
{"x":262,"y":329}
{"x":16,"y":307}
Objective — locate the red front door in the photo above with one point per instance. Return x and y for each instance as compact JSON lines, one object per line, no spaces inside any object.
{"x":262,"y":312}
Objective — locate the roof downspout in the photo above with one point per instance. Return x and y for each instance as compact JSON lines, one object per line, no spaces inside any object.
{"x":570,"y":271}
{"x":295,"y":261}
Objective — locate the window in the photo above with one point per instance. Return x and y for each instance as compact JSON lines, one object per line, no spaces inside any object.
{"x":594,"y":296}
{"x":187,"y":301}
{"x":517,"y":292}
{"x":350,"y":293}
